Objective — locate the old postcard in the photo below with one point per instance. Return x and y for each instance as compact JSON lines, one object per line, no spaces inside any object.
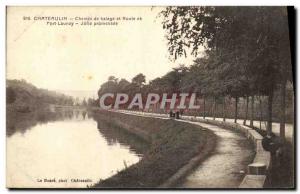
{"x":150,"y":97}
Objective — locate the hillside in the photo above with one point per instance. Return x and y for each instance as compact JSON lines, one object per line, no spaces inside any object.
{"x":22,"y":96}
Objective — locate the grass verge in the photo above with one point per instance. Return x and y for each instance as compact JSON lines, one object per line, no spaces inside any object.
{"x":172,"y":145}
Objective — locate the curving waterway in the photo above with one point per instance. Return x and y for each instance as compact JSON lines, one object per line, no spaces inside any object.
{"x":72,"y":151}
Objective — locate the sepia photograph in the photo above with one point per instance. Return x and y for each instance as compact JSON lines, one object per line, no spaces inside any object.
{"x":150,"y":97}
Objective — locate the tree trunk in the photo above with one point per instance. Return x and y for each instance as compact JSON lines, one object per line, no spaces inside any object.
{"x":224,"y":109}
{"x":203,"y":107}
{"x":252,"y":111}
{"x":282,"y":110}
{"x":246,"y":114}
{"x":260,"y":112}
{"x":214,"y":109}
{"x":236,"y":109}
{"x":270,"y":102}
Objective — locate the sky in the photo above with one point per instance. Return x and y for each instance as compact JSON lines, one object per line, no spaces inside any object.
{"x":83,"y":57}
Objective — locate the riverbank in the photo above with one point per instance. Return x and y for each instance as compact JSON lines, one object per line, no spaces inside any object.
{"x":172,"y":145}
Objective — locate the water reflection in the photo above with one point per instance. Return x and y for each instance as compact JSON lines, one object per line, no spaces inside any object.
{"x":66,"y":145}
{"x":114,"y":134}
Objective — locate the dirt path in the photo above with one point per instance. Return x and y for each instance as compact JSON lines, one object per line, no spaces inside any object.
{"x":225,"y":167}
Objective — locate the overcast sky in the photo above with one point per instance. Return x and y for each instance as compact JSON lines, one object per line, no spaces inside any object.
{"x":82,"y":57}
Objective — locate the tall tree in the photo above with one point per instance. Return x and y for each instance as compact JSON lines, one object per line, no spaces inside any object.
{"x":139,"y":80}
{"x":247,"y":41}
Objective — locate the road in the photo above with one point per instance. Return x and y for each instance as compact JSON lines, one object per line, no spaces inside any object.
{"x":226,"y":166}
{"x":289,"y":128}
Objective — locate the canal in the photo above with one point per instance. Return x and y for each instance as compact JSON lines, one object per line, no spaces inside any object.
{"x":72,"y":147}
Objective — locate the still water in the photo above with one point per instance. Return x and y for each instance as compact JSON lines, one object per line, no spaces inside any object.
{"x":72,"y":149}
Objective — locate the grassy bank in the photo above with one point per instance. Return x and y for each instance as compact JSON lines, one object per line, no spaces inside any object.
{"x":172,"y":145}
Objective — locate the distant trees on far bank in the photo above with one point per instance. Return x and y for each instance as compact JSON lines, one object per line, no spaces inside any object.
{"x":25,"y":97}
